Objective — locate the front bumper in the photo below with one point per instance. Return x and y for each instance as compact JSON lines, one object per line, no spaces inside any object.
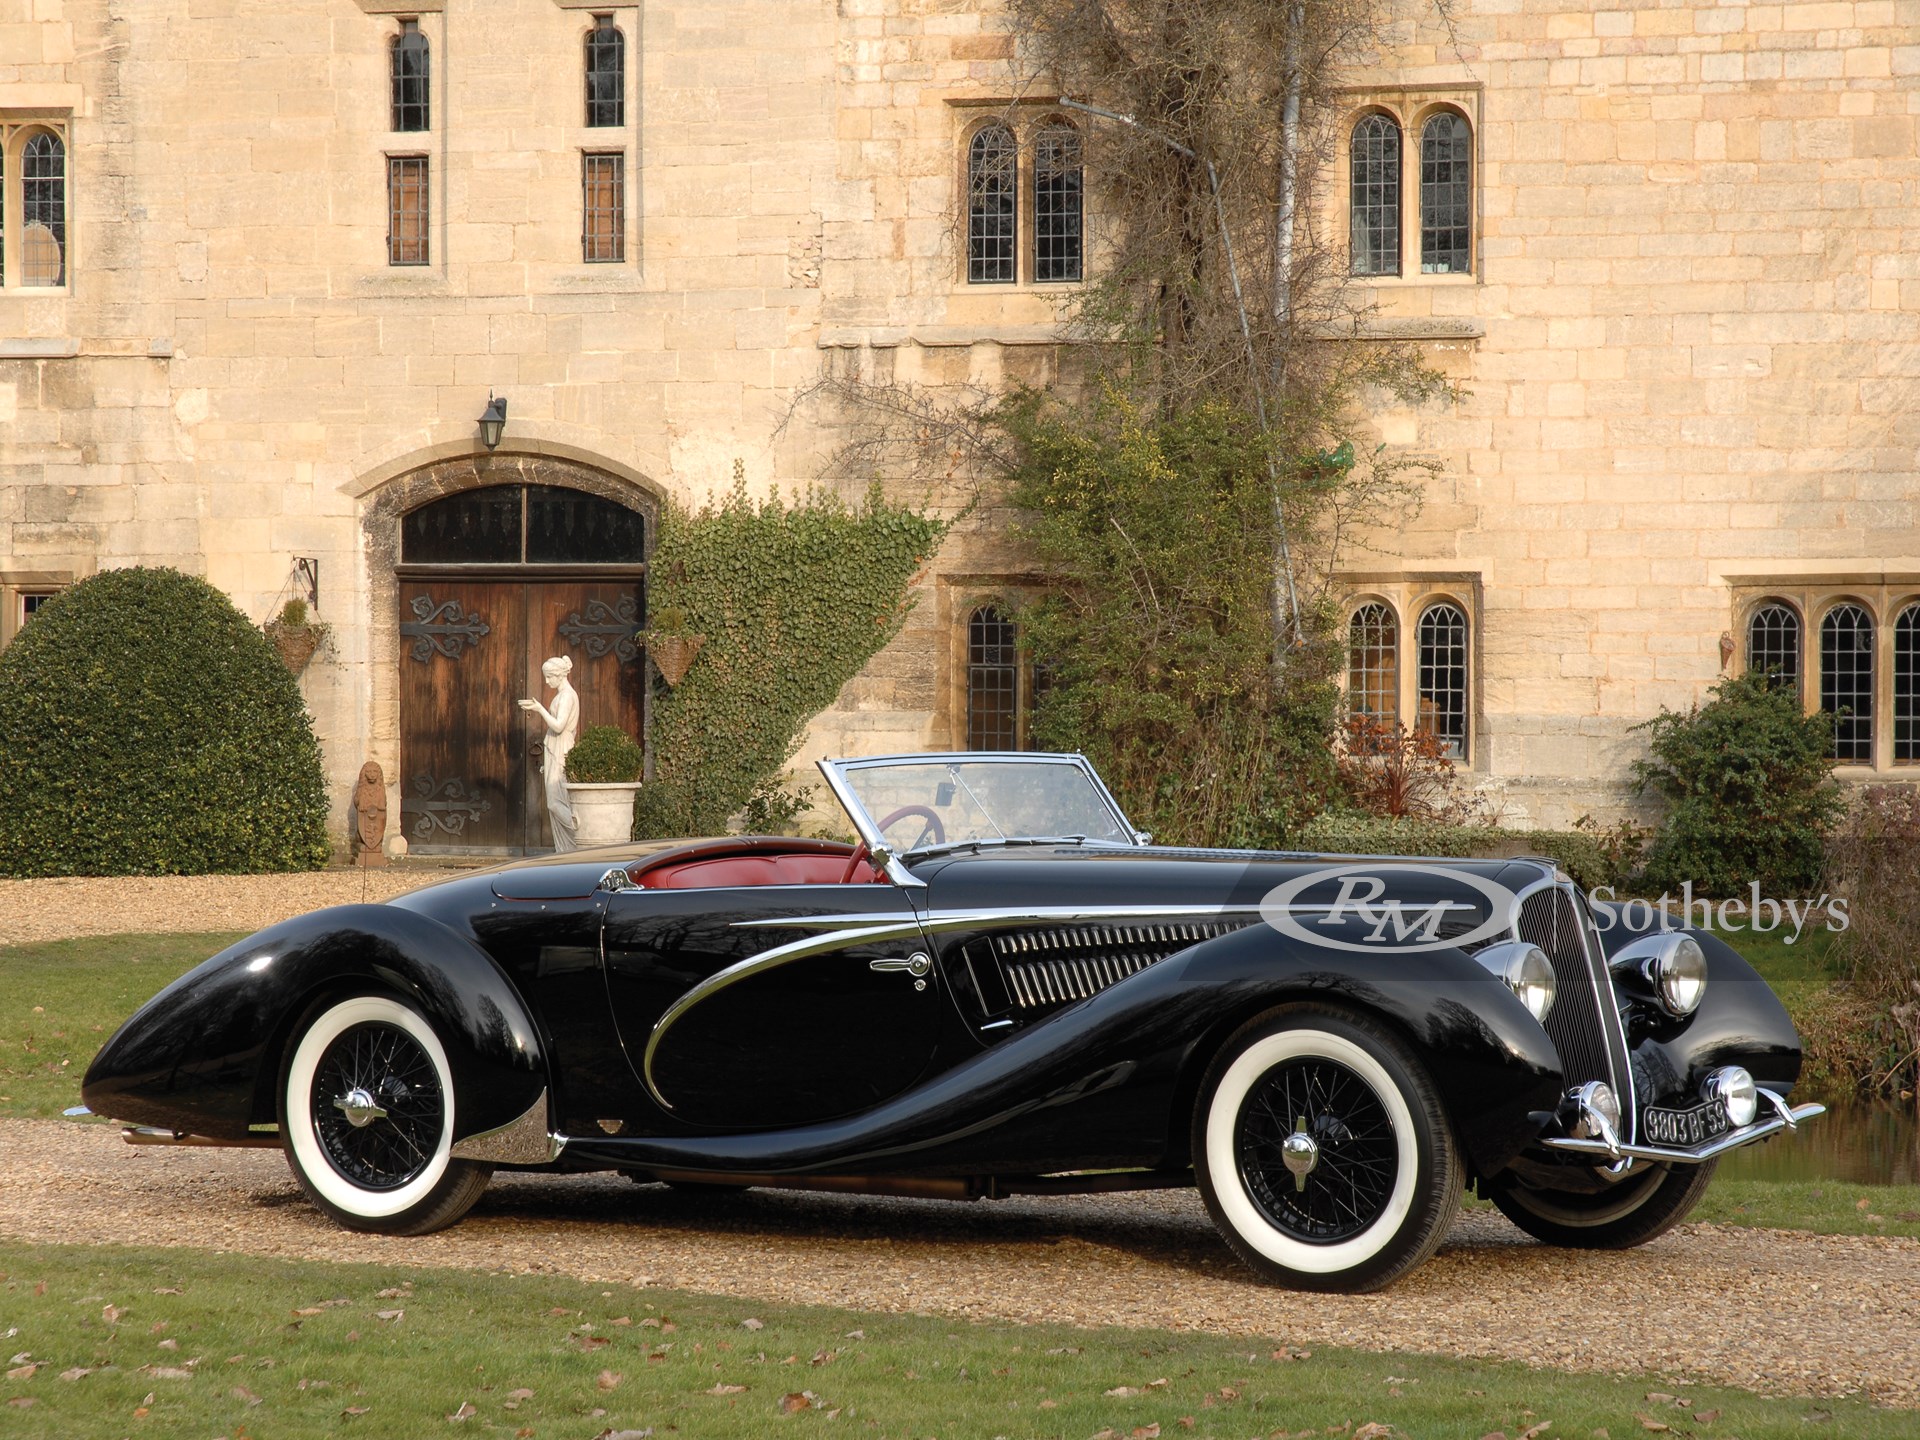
{"x":1784,"y":1117}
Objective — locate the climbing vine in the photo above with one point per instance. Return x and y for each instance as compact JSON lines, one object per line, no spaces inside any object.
{"x":793,"y":600}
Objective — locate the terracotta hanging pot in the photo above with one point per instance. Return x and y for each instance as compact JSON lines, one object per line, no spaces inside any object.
{"x":295,"y":643}
{"x":673,"y":654}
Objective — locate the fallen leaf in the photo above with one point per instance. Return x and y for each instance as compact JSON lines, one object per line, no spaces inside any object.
{"x":355,"y":1410}
{"x":1647,"y":1422}
{"x":1659,"y":1397}
{"x":795,"y":1402}
{"x":1374,"y":1430}
{"x":1533,"y":1431}
{"x":168,"y":1290}
{"x":168,"y":1344}
{"x":1706,"y":1417}
{"x":1147,"y":1432}
{"x":624,"y":1320}
{"x":861,"y":1334}
{"x":393,"y":1292}
{"x":25,"y":1402}
{"x":1862,"y":1203}
{"x":825,"y":1357}
{"x":310,"y":1310}
{"x":561,"y":1310}
{"x":109,"y":1313}
{"x":1123,"y":1391}
{"x":753,"y":1324}
{"x":23,"y":1372}
{"x":78,"y":1372}
{"x":609,"y":1379}
{"x":465,"y":1412}
{"x":389,"y":1314}
{"x":521,"y":1394}
{"x":241,"y":1392}
{"x":167,"y":1372}
{"x":1049,"y":1404}
{"x":728,"y":1390}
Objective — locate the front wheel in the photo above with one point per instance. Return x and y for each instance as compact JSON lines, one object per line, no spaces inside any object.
{"x":1631,"y":1213}
{"x":367,"y":1110}
{"x":1323,"y":1152}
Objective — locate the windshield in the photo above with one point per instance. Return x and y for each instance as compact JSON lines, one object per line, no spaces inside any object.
{"x":921,"y":801}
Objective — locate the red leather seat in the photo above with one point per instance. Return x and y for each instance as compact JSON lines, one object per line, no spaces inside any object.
{"x":725,"y":870}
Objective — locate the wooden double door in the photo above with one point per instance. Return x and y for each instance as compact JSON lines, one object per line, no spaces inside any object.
{"x":470,"y":649}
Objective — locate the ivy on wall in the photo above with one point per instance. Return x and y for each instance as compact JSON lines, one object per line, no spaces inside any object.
{"x":793,"y":600}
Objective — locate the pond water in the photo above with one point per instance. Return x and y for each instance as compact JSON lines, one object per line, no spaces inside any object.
{"x":1854,"y":1142}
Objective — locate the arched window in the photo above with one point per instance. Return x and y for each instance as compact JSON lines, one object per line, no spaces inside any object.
{"x":1773,"y":645}
{"x":993,"y":681}
{"x":1442,"y":641}
{"x":1906,"y":685}
{"x":1374,"y":168}
{"x":606,"y":73}
{"x":1446,"y":196}
{"x":1373,"y":663}
{"x":991,"y":206}
{"x":1846,"y":681}
{"x":1058,"y":209}
{"x":43,"y":205}
{"x":409,"y":78}
{"x":523,"y":525}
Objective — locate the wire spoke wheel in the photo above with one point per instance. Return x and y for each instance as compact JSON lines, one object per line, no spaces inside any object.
{"x":1355,"y":1155}
{"x":377,"y":1106}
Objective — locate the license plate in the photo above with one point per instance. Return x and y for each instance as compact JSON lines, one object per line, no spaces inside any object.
{"x":1685,"y":1127}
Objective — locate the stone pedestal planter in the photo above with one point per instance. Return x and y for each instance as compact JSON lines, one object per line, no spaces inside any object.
{"x":602,"y":814}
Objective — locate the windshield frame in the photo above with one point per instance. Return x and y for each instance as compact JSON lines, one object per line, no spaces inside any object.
{"x":837,"y":772}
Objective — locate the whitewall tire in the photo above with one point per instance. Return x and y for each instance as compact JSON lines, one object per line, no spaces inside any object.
{"x":367,"y":1115}
{"x":1638,"y":1209}
{"x":1323,"y":1151}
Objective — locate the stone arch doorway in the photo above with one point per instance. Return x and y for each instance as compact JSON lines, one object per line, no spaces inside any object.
{"x":496,"y":564}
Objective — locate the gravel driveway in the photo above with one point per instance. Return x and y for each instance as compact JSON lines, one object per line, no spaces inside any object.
{"x":1773,"y":1311}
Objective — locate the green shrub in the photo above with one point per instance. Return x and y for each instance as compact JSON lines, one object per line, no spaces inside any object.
{"x":605,"y":755}
{"x":1749,"y":790}
{"x":147,"y":729}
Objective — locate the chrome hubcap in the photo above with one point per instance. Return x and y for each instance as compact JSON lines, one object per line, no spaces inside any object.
{"x":359,"y":1107}
{"x":1301,"y":1153}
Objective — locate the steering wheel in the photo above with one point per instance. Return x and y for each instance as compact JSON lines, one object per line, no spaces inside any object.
{"x":934,"y":830}
{"x":853,"y":864}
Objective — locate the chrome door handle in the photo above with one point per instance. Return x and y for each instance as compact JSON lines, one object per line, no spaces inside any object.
{"x":916,"y":964}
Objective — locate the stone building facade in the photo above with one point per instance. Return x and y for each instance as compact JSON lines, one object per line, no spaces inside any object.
{"x":297,"y":248}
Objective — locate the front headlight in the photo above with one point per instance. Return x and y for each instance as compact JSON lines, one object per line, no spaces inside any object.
{"x":1525,"y":970}
{"x":1679,"y":976}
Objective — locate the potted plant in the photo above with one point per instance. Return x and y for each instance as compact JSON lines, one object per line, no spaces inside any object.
{"x":296,"y":635}
{"x":671,"y":645}
{"x":603,"y":777}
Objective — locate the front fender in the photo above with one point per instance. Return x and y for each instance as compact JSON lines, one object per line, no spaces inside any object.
{"x":203,"y":1056}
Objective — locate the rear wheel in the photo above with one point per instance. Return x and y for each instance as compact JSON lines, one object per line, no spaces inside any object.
{"x":1323,"y":1152}
{"x":367,"y":1110}
{"x":1631,"y":1213}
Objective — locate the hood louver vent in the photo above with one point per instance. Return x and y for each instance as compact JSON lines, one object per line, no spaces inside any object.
{"x":1044,"y":969}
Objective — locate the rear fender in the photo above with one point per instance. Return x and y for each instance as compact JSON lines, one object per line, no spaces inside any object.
{"x":204,"y":1055}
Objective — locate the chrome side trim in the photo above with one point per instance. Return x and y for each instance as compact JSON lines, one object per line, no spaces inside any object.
{"x":996,"y":918}
{"x":149,"y":1135}
{"x":522,"y":1141}
{"x":1786,"y":1118}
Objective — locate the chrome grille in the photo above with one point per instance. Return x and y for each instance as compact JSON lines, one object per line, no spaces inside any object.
{"x":1045,"y":968}
{"x":1549,"y":919}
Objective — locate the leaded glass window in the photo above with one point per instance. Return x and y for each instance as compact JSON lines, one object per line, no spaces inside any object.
{"x":43,"y":210}
{"x":993,"y":681}
{"x":411,"y":108}
{"x":603,"y":208}
{"x":1906,"y":685}
{"x":1373,"y":663}
{"x":1058,"y":204}
{"x":1441,"y":638}
{"x":1773,"y":645}
{"x":407,"y":210}
{"x":606,"y":73}
{"x":992,"y":172}
{"x":1846,"y":681}
{"x":1446,"y":196}
{"x":1374,"y":173}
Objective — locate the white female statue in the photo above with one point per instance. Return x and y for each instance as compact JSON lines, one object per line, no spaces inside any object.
{"x":563,"y":726}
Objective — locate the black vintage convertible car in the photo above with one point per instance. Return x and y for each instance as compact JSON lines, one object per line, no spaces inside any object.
{"x":1002,"y":989}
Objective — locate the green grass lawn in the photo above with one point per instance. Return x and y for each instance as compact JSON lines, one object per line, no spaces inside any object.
{"x":107,"y":1341}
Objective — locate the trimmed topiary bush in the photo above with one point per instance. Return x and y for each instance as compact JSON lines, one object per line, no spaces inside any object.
{"x":146,"y":728}
{"x":605,"y":755}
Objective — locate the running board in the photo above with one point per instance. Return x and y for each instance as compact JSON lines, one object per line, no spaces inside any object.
{"x":936,"y":1187}
{"x":148,"y":1135}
